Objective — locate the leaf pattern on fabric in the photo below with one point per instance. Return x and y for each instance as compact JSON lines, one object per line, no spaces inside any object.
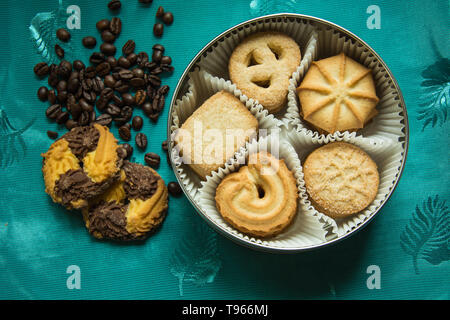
{"x":196,"y":258}
{"x":436,"y":94}
{"x":43,"y":28}
{"x":427,"y":234}
{"x":264,"y":7}
{"x":12,"y":145}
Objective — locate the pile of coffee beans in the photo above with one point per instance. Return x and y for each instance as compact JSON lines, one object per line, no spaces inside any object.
{"x":108,"y":89}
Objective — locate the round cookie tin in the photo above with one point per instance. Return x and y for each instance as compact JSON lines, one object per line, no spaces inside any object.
{"x":294,"y":130}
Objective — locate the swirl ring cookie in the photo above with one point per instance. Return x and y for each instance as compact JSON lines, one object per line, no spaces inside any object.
{"x":261,"y":198}
{"x":341,"y":179}
{"x":262,"y":65}
{"x":132,"y":208}
{"x":80,"y":165}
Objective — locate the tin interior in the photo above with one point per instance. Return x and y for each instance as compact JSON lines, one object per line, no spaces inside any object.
{"x":182,"y":88}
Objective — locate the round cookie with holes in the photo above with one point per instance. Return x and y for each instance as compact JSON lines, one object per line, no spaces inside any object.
{"x":262,"y":65}
{"x":80,"y":165}
{"x":341,"y":179}
{"x":132,"y":208}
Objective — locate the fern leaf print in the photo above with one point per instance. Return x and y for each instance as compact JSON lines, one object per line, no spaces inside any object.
{"x":196,"y":258}
{"x":427,"y":234}
{"x":43,"y":28}
{"x":435,"y":97}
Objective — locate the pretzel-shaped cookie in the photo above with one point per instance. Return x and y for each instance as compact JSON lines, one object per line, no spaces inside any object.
{"x":262,"y":65}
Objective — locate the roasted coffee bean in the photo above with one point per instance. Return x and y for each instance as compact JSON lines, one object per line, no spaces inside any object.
{"x":121,"y":87}
{"x":52,"y":134}
{"x":132,"y":57}
{"x":137,"y":82}
{"x":165,"y":145}
{"x":154,"y":80}
{"x":114,"y":5}
{"x":162,"y":91}
{"x":107,"y":94}
{"x":109,"y":81}
{"x":157,"y":70}
{"x":97,"y":84}
{"x":107,"y":36}
{"x":117,"y":100}
{"x":101,"y":104}
{"x":142,"y":58}
{"x":61,"y":86}
{"x":86,"y":84}
{"x":140,"y":97}
{"x":53,"y":79}
{"x":167,"y":18}
{"x":41,"y":69}
{"x":90,"y":71}
{"x":63,"y":34}
{"x":73,"y":85}
{"x":141,"y":140}
{"x":157,"y":56}
{"x":53,"y":111}
{"x":115,"y":26}
{"x":161,"y":102}
{"x":146,"y":1}
{"x":123,"y":62}
{"x":85,"y":106}
{"x":93,"y":116}
{"x":64,"y":69}
{"x":174,"y":188}
{"x":74,"y":109}
{"x":125,"y":74}
{"x":166,"y":60}
{"x":128,"y":99}
{"x":74,"y":75}
{"x":102,"y":24}
{"x":62,"y":117}
{"x":158,"y":29}
{"x":97,"y":58}
{"x":112,"y":61}
{"x":138,"y":73}
{"x":113,"y":110}
{"x":51,"y":96}
{"x":42,"y":93}
{"x":59,"y":51}
{"x":89,"y":42}
{"x":128,"y":148}
{"x":125,"y":133}
{"x":121,"y":152}
{"x":137,"y":123}
{"x":62,"y":96}
{"x":108,"y":49}
{"x":103,"y":69}
{"x":126,"y":112}
{"x":147,"y":108}
{"x":160,"y":12}
{"x":154,"y":117}
{"x":159,"y":47}
{"x":70,"y":124}
{"x":78,"y":65}
{"x":152,"y":159}
{"x":84,"y":118}
{"x":104,"y":119}
{"x":128,"y":47}
{"x":167,"y":68}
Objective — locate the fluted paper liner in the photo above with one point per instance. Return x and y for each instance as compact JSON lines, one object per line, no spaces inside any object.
{"x":216,"y":61}
{"x":203,"y":85}
{"x":386,"y":153}
{"x":305,"y":230}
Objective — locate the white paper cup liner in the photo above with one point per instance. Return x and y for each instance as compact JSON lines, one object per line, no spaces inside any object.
{"x":388,"y":123}
{"x":215,"y":61}
{"x":203,"y":85}
{"x":386,"y":153}
{"x":305,"y":230}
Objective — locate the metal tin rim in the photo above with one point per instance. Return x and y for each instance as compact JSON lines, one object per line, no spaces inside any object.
{"x":262,"y":247}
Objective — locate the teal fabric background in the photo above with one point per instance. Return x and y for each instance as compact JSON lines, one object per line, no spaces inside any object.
{"x":186,"y":259}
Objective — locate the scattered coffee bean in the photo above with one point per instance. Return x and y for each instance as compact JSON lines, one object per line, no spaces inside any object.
{"x":78,"y":65}
{"x":164,"y":145}
{"x":114,"y":5}
{"x":141,"y":140}
{"x":158,"y":47}
{"x":160,"y":12}
{"x":112,"y":61}
{"x":128,"y":99}
{"x":89,"y":42}
{"x":108,"y":36}
{"x":157,"y":56}
{"x":158,"y":29}
{"x":102,"y":25}
{"x":63,"y":34}
{"x":125,"y":133}
{"x":104,"y":119}
{"x":124,"y":62}
{"x":70,"y":124}
{"x":174,"y":188}
{"x":51,"y":96}
{"x":128,"y":148}
{"x":62,"y":117}
{"x":96,"y":58}
{"x":52,"y":134}
{"x":167,"y":18}
{"x":140,"y":97}
{"x":121,"y":152}
{"x":43,"y":93}
{"x":137,"y":123}
{"x":41,"y":69}
{"x":128,"y":47}
{"x":166,"y":60}
{"x":108,"y":49}
{"x":53,"y":111}
{"x":152,"y":159}
{"x":146,"y":1}
{"x":115,"y":26}
{"x":59,"y":51}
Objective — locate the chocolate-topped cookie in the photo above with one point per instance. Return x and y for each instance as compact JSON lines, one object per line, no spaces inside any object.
{"x":80,"y":165}
{"x":131,"y":208}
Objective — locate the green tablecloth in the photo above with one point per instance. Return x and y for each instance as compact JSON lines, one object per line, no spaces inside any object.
{"x":402,"y":254}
